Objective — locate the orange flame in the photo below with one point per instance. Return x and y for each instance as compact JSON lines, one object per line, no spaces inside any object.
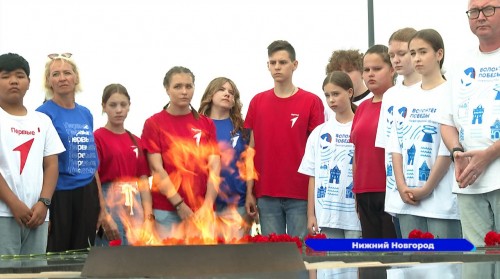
{"x":204,"y":226}
{"x":246,"y":165}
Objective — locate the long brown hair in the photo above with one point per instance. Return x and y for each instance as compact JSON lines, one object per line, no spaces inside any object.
{"x":234,"y":114}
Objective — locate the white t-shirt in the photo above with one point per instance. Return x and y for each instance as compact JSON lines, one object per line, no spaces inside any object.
{"x":328,"y":157}
{"x":416,"y":136}
{"x":393,"y":202}
{"x":24,"y":142}
{"x":473,"y":107}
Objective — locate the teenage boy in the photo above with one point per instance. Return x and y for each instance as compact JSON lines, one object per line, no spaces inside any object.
{"x":29,"y":145}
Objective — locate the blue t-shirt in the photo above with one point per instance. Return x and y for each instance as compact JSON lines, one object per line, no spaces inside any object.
{"x":78,"y":164}
{"x":232,"y":187}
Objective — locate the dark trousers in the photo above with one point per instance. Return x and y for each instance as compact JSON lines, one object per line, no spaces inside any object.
{"x":73,"y":218}
{"x":375,"y":222}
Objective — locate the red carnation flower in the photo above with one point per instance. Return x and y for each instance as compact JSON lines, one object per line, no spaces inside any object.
{"x":311,"y":252}
{"x":491,"y":238}
{"x":315,"y":236}
{"x":221,"y":240}
{"x":298,"y":242}
{"x":116,"y":242}
{"x":427,"y":235}
{"x":246,"y":239}
{"x":260,"y":238}
{"x":415,"y":234}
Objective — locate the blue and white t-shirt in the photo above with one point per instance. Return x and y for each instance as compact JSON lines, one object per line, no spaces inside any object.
{"x":78,"y":164}
{"x":416,"y":136}
{"x":328,"y":158}
{"x":473,"y":107}
{"x":393,"y":202}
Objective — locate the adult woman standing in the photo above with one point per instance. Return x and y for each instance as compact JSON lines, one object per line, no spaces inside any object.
{"x":75,"y":205}
{"x":182,"y":154}
{"x":123,"y":169}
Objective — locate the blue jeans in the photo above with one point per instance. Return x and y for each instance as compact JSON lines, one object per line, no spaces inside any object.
{"x":283,"y":215}
{"x":166,"y":221}
{"x":232,"y":222}
{"x":115,"y":204}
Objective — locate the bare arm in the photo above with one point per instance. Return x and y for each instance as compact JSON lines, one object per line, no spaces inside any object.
{"x":50,"y":175}
{"x":146,"y":199}
{"x":214,"y":166}
{"x":105,"y":219}
{"x":449,"y":134}
{"x":166,"y":186}
{"x":397,"y":166}
{"x":148,"y":231}
{"x":250,"y":202}
{"x":312,"y":223}
{"x":20,"y":212}
{"x":437,"y":173}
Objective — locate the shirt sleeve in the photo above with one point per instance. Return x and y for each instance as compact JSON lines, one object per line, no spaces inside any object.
{"x":317,"y":114}
{"x":307,"y":165}
{"x":394,"y":143}
{"x":150,"y":137}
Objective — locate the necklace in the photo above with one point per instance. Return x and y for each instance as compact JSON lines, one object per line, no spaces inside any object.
{"x":288,"y":94}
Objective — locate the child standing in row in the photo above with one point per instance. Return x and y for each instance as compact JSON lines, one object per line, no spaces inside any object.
{"x":221,"y":103}
{"x":29,"y":145}
{"x":401,"y":62}
{"x":328,"y":163}
{"x":123,"y":168}
{"x":369,"y":161}
{"x":421,"y":160}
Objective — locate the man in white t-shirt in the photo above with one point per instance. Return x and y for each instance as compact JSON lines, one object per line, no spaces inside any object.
{"x":471,"y":124}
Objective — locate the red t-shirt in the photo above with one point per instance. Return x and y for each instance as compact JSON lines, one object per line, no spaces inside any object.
{"x":120,"y":158}
{"x":369,"y":175}
{"x":281,"y":127}
{"x":185,"y":143}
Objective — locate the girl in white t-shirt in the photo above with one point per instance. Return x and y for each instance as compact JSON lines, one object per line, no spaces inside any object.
{"x":410,"y":79}
{"x":421,"y":161}
{"x":328,"y":161}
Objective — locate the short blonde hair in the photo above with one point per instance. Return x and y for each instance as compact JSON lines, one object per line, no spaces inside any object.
{"x":49,"y":92}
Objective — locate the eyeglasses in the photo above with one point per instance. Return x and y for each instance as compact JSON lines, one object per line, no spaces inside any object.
{"x":59,"y":55}
{"x":487,"y":12}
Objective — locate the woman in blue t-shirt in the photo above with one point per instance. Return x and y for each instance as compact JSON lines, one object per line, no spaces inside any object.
{"x":75,"y":209}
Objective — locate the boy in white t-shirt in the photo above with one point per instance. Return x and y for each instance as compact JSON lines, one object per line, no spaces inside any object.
{"x":29,"y":145}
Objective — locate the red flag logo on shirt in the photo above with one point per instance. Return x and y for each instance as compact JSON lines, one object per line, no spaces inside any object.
{"x":24,"y":150}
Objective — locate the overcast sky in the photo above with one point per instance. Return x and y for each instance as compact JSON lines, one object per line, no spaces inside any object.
{"x":135,"y":42}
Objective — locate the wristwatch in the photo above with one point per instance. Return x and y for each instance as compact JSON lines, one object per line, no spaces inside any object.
{"x":455,"y":149}
{"x":45,"y":201}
